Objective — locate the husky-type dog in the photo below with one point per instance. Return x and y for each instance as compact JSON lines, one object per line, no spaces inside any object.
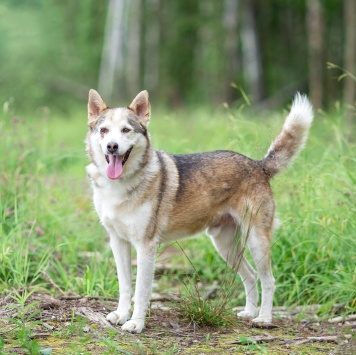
{"x":144,"y":197}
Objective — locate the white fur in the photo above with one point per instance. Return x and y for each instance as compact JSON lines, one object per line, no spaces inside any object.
{"x":115,"y":126}
{"x":285,"y":148}
{"x":124,"y":231}
{"x":124,"y":218}
{"x":300,"y":115}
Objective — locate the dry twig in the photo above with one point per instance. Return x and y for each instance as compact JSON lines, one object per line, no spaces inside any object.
{"x":300,"y":341}
{"x":256,"y":339}
{"x":296,"y":341}
{"x":51,"y":282}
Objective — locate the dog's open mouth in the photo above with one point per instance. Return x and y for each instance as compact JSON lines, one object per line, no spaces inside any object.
{"x":116,"y":164}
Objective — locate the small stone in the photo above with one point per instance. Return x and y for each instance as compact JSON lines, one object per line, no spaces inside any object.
{"x":348,"y":336}
{"x":48,"y":326}
{"x":165,"y":308}
{"x":86,"y":329}
{"x":335,"y":320}
{"x":46,"y":351}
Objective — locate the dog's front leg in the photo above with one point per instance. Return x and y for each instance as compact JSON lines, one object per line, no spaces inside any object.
{"x":122,"y":255}
{"x":146,"y":253}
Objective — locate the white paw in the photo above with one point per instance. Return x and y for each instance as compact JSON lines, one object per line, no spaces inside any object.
{"x":134,"y":326}
{"x":262,"y":320}
{"x":118,"y":317}
{"x":247,"y":314}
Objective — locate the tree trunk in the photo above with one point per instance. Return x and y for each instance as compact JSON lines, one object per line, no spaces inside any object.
{"x":251,"y":53}
{"x":151,"y":46}
{"x":350,"y":51}
{"x":315,"y":30}
{"x":131,"y":72}
{"x":230,"y":22}
{"x":112,"y":61}
{"x":180,"y":49}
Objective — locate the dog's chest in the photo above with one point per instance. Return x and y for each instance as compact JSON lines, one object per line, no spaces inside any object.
{"x":121,"y":214}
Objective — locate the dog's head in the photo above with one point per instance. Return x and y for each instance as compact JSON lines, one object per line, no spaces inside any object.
{"x":119,"y":133}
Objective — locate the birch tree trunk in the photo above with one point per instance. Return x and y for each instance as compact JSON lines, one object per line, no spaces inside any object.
{"x":251,"y":53}
{"x":112,"y":61}
{"x":131,"y":71}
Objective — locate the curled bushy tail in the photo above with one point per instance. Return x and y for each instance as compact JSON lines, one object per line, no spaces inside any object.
{"x":292,"y":137}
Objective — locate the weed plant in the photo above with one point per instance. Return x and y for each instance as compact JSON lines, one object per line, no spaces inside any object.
{"x":197,"y":307}
{"x":23,"y":320}
{"x":47,"y":221}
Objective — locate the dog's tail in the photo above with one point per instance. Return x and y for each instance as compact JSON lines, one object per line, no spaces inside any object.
{"x":292,"y":137}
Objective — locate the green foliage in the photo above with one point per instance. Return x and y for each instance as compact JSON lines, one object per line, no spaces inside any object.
{"x":23,"y":320}
{"x":2,"y":343}
{"x":315,"y":241}
{"x":49,"y":48}
{"x":199,"y":309}
{"x":251,"y":344}
{"x":48,"y":223}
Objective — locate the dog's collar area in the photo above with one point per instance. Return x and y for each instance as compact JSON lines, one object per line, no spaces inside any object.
{"x":124,"y":156}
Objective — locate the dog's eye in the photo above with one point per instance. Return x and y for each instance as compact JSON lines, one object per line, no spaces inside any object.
{"x":103,"y":131}
{"x":126,"y":130}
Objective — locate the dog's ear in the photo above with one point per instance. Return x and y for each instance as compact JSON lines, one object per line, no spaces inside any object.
{"x":96,"y":105}
{"x":141,"y":107}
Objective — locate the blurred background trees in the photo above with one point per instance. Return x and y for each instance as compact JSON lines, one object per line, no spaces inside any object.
{"x":183,"y":52}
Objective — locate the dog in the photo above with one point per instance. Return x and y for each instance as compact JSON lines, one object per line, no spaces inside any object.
{"x":144,"y":197}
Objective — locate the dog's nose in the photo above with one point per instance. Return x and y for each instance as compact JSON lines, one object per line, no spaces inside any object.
{"x":112,"y":147}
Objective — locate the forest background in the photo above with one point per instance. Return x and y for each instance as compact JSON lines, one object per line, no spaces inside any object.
{"x":221,"y":75}
{"x":183,"y":52}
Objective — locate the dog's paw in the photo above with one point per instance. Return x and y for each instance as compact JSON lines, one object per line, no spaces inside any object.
{"x":117,"y":317}
{"x":247,"y":314}
{"x":262,"y":321}
{"x":134,"y":326}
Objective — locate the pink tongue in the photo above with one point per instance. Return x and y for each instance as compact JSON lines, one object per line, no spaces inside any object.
{"x":114,"y":169}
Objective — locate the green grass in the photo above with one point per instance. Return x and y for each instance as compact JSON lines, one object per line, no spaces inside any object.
{"x":48,"y":221}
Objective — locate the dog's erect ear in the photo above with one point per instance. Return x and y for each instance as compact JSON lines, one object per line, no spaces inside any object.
{"x":96,"y":105}
{"x":141,"y":107}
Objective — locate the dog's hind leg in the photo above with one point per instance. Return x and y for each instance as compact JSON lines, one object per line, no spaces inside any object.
{"x":122,"y":255}
{"x":249,"y":278}
{"x":226,"y":238}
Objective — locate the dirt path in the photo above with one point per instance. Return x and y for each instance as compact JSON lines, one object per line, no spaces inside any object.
{"x":52,"y":325}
